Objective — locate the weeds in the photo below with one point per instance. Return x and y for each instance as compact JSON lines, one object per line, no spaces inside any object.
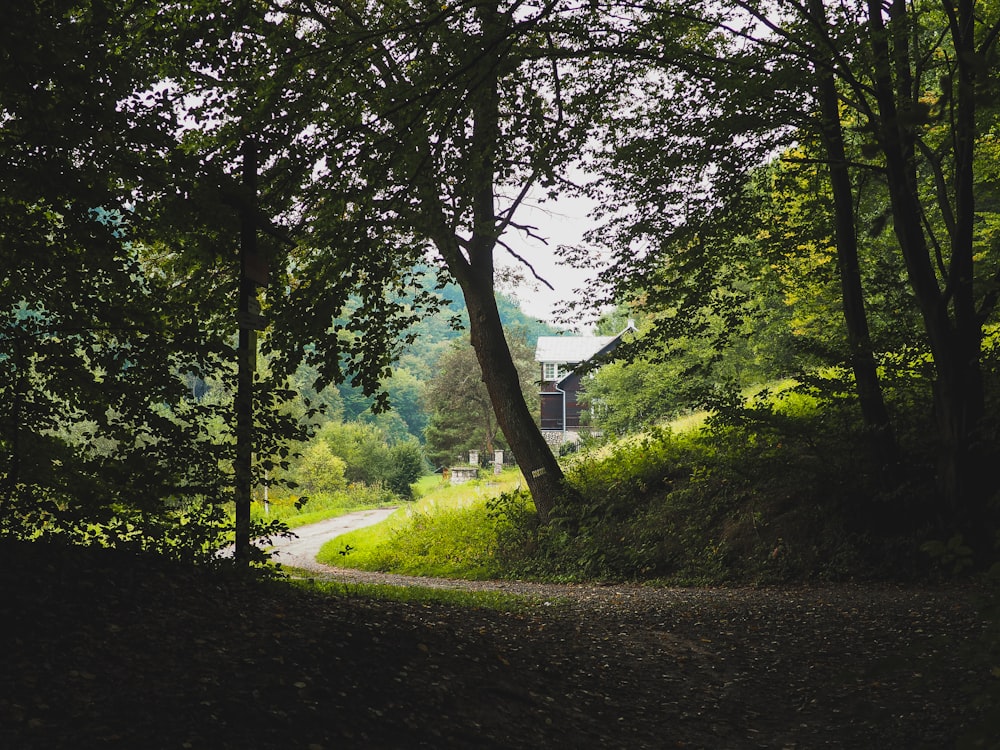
{"x":781,"y":493}
{"x":297,"y":511}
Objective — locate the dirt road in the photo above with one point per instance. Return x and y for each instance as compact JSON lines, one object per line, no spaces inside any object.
{"x":302,"y":549}
{"x":618,"y":666}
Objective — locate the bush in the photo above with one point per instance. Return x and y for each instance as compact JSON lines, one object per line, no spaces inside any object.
{"x":318,"y":470}
{"x":357,"y":453}
{"x":406,"y":466}
{"x":784,"y":492}
{"x":455,"y":531}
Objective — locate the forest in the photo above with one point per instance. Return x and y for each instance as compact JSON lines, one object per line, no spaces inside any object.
{"x":264,"y":262}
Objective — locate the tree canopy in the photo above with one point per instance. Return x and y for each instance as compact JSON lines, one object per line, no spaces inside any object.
{"x":893,"y":101}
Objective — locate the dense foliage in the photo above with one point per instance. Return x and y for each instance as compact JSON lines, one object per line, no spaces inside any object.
{"x":113,"y":295}
{"x":824,"y":183}
{"x":781,"y":495}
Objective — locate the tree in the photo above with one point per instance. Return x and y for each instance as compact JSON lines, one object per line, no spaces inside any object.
{"x":318,"y":470}
{"x":117,"y":249}
{"x":908,"y":82}
{"x":460,"y":407}
{"x":367,"y":456}
{"x":407,"y":465}
{"x":943,"y":280}
{"x":644,"y":387}
{"x":862,"y":357}
{"x":95,"y":422}
{"x":916,"y":95}
{"x":462,"y":415}
{"x":424,"y":128}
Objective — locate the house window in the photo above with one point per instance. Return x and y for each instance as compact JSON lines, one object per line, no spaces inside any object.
{"x":550,"y":372}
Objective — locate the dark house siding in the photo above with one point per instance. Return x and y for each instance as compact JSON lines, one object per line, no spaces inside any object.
{"x":571,"y":385}
{"x":552,"y":404}
{"x":552,"y":413}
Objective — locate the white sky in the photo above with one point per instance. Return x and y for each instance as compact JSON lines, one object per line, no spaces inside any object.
{"x":561,"y":222}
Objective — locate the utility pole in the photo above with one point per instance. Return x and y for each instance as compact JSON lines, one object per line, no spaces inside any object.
{"x":253,"y":272}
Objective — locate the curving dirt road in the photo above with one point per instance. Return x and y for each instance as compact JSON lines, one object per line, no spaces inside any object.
{"x":301,"y":550}
{"x":634,"y":666}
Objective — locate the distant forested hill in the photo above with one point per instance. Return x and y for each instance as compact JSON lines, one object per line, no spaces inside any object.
{"x":438,"y":328}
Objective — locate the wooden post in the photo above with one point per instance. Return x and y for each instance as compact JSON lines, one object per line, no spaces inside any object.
{"x":246,"y":354}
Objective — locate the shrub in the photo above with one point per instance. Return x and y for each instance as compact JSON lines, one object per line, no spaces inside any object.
{"x":784,"y":492}
{"x":319,"y":470}
{"x":406,"y":466}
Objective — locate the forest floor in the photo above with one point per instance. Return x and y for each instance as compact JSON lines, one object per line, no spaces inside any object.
{"x":104,"y":649}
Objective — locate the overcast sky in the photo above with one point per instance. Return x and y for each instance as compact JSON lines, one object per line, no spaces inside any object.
{"x":561,"y":222}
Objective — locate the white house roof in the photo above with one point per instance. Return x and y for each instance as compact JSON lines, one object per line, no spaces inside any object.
{"x":570,"y":349}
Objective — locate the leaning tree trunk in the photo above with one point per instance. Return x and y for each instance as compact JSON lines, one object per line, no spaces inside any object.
{"x":470,"y":261}
{"x":534,"y":456}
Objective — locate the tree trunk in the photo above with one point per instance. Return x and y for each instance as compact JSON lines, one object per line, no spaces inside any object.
{"x":954,"y":341}
{"x":869,"y":389}
{"x":471,"y":263}
{"x":246,"y":355}
{"x":534,"y":456}
{"x":959,"y":392}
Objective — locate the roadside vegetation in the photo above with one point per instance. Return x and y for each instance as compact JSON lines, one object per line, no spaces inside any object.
{"x":451,"y":531}
{"x":423,"y":595}
{"x":294,"y":510}
{"x":779,"y":489}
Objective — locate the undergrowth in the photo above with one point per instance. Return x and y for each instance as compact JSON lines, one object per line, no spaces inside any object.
{"x":787,"y":492}
{"x":294,"y":511}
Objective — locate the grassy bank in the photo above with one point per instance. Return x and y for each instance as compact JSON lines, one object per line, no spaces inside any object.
{"x":295,"y":511}
{"x":787,"y":492}
{"x":450,"y":531}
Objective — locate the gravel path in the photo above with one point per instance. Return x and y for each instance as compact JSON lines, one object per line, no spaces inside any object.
{"x":605,"y":667}
{"x":802,"y":666}
{"x":301,"y":550}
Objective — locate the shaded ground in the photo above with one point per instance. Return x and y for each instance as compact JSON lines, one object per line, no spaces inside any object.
{"x":104,"y":650}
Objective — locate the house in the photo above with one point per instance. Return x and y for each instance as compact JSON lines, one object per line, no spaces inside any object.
{"x":559,"y":358}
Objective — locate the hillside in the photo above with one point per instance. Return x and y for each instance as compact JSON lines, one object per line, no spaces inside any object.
{"x":417,"y":360}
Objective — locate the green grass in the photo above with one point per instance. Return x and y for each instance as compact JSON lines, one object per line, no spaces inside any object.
{"x":781,"y":490}
{"x":449,"y":532}
{"x":495,"y":600}
{"x":688,"y":422}
{"x":785,"y":490}
{"x":426,"y":485}
{"x":323,"y":505}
